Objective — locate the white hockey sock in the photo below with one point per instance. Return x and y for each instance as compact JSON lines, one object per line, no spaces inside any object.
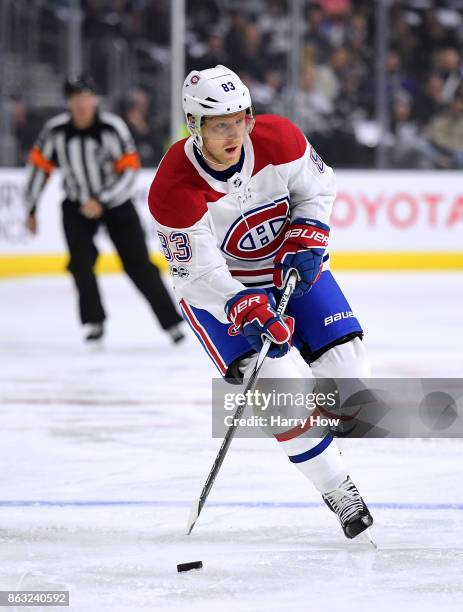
{"x":317,"y":458}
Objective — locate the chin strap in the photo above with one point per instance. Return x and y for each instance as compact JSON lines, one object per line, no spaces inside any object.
{"x":211,"y":161}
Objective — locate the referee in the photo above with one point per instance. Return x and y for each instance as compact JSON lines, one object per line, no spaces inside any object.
{"x":98,"y":159}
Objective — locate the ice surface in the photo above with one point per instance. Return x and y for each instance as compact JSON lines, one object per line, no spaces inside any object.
{"x":113,"y":445}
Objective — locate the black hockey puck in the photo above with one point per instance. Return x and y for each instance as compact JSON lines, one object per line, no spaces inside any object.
{"x":185,"y":567}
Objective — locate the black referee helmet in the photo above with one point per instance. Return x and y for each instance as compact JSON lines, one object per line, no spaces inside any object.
{"x":78,"y":83}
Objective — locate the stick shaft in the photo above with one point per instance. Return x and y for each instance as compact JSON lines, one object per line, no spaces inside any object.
{"x":198,"y":504}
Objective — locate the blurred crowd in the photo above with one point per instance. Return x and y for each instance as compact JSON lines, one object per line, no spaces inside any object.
{"x":335,"y":101}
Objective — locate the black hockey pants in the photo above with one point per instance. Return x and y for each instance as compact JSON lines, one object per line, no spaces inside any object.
{"x":126,"y":233}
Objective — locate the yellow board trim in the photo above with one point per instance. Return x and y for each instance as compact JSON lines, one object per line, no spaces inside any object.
{"x":28,"y":265}
{"x":408,"y":261}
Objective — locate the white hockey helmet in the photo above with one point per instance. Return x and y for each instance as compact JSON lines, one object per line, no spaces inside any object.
{"x":212,"y":92}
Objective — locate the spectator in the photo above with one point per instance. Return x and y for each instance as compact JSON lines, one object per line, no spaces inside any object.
{"x":332,"y":76}
{"x":430,"y":100}
{"x":315,"y":109}
{"x":276,"y":26}
{"x":407,"y":149}
{"x":264,"y":93}
{"x":447,"y":63}
{"x":358,"y":35}
{"x":148,"y":145}
{"x":435,"y":35}
{"x":348,"y":112}
{"x":405,"y":39}
{"x":445,"y":133}
{"x":250,"y":56}
{"x":156,"y":18}
{"x":336,"y":21}
{"x":398,"y":80}
{"x":202,"y":16}
{"x":316,"y":39}
{"x":26,"y":127}
{"x":215,"y":52}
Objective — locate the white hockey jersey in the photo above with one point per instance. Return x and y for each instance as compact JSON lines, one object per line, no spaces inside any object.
{"x":220,"y":237}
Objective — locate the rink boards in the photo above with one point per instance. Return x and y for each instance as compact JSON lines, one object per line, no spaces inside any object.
{"x":388,"y":220}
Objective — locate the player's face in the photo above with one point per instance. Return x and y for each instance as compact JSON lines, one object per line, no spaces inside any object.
{"x":83,"y":108}
{"x":223,"y":137}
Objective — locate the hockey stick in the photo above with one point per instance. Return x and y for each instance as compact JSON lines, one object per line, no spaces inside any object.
{"x":198,"y":504}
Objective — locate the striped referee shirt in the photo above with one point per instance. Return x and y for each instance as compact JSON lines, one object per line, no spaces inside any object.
{"x":99,"y":162}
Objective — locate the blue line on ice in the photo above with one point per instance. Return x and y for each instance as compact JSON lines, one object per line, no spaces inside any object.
{"x":18,"y":503}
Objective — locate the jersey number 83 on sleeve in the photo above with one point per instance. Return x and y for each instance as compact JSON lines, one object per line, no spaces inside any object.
{"x":176,"y":247}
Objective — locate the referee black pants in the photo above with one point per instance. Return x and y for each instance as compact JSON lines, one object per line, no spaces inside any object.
{"x":126,"y":233}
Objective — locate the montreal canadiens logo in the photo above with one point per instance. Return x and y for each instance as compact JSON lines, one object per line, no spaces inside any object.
{"x":260,"y":234}
{"x":233,"y":330}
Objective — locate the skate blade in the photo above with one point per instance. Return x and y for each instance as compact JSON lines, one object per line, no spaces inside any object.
{"x":366,"y":536}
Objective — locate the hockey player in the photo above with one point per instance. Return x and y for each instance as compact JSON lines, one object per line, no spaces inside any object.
{"x":238,"y":205}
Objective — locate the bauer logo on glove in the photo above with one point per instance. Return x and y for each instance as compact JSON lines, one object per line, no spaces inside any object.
{"x":302,"y":250}
{"x":253,"y":312}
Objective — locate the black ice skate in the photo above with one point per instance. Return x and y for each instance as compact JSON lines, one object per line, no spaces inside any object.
{"x":93,"y":332}
{"x":352,"y":512}
{"x":176,"y":334}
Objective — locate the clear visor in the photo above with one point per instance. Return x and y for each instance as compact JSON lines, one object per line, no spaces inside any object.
{"x":232,"y":127}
